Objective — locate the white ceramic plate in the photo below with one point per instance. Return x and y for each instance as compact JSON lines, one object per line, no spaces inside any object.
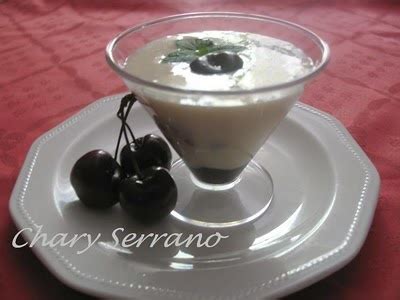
{"x":325,"y":195}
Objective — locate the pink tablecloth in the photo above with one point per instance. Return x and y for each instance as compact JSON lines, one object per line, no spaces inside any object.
{"x":52,"y":64}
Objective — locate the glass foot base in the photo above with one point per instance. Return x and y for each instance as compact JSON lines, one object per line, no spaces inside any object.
{"x":221,"y":206}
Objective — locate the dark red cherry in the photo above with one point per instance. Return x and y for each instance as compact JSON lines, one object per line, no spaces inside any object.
{"x":149,"y":198}
{"x":95,"y":178}
{"x":148,"y":151}
{"x":216,"y":63}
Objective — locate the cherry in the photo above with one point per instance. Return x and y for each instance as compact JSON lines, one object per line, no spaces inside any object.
{"x":216,"y":63}
{"x":150,"y":150}
{"x":100,"y":182}
{"x":150,"y":196}
{"x":95,"y":178}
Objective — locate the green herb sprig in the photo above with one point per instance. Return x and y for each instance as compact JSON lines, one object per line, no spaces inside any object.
{"x":188,"y":49}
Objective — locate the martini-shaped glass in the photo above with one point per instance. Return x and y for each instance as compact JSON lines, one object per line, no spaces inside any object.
{"x":217,"y":132}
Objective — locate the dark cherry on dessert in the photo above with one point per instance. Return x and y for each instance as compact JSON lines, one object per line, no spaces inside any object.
{"x":150,"y":150}
{"x":150,"y":196}
{"x":216,"y":63}
{"x":95,"y":178}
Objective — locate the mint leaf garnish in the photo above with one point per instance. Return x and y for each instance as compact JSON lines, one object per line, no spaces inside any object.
{"x":193,"y":44}
{"x":180,"y":56}
{"x":188,"y":49}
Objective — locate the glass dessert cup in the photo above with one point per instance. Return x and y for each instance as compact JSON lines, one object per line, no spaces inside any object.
{"x":219,"y":183}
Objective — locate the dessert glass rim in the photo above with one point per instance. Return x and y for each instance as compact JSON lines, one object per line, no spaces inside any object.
{"x":111,"y":60}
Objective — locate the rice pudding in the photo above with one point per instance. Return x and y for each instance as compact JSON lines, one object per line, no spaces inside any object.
{"x":218,"y":136}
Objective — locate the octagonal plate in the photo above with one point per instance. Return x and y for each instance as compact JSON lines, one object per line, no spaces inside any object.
{"x":326,"y":191}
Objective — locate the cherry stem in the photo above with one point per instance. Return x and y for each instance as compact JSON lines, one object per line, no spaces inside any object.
{"x":126,"y":101}
{"x":131,"y":133}
{"x":124,"y":124}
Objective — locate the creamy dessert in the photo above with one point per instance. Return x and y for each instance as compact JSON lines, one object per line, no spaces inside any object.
{"x":217,"y":135}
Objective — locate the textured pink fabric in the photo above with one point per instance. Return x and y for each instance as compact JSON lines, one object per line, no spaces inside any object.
{"x":52,"y":64}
